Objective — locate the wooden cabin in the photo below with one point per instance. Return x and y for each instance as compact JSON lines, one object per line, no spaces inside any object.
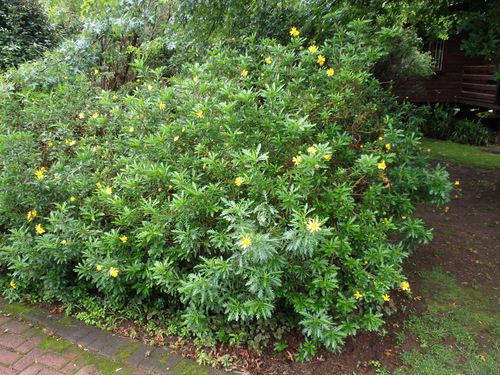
{"x":458,"y":78}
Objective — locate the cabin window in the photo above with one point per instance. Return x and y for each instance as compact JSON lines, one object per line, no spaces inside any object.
{"x":436,"y":48}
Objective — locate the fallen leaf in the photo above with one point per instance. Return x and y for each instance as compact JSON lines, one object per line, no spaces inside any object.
{"x":483,"y":357}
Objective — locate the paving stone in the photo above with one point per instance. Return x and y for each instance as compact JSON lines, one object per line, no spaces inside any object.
{"x":115,"y":344}
{"x":74,"y":332}
{"x":151,"y":361}
{"x":139,"y":356}
{"x":28,"y":359}
{"x":10,"y":340}
{"x":169,"y":361}
{"x":92,"y":334}
{"x":53,"y":360}
{"x":7,"y":357}
{"x":46,"y":371}
{"x":30,"y":344}
{"x":85,"y":371}
{"x":187,"y":366}
{"x":8,"y":371}
{"x":71,"y":367}
{"x":100,"y":342}
{"x":15,"y":327}
{"x":32,"y":370}
{"x":4,"y":319}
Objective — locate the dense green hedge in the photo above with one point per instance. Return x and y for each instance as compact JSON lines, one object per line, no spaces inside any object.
{"x":265,"y":181}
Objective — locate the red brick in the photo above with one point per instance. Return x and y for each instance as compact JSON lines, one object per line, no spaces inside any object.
{"x":86,"y":371}
{"x":28,"y":359}
{"x":4,"y":319}
{"x":8,"y":358}
{"x":11,"y":341}
{"x":53,"y":360}
{"x":47,"y":371}
{"x":71,"y":368}
{"x":15,"y":327}
{"x":30,"y":344}
{"x":8,"y":371}
{"x":32,"y":370}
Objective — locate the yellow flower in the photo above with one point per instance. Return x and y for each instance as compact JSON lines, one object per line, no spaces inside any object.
{"x":312,"y":150}
{"x":386,"y":297}
{"x":380,"y":138}
{"x":50,"y":144}
{"x":245,"y":242}
{"x":113,"y":272}
{"x":262,"y":74}
{"x":358,"y":295}
{"x":244,"y":73}
{"x":72,"y":199}
{"x":131,"y":129}
{"x":99,"y":267}
{"x":268,"y":60}
{"x":161,"y":105}
{"x":313,"y":48}
{"x":238,"y":181}
{"x":96,"y":71}
{"x":95,"y":115}
{"x":71,"y":143}
{"x":13,"y":284}
{"x":294,"y":32}
{"x":39,"y":229}
{"x":183,"y":130}
{"x":195,"y":78}
{"x":31,"y":215}
{"x":316,"y":166}
{"x":39,"y":173}
{"x":328,"y":157}
{"x":123,"y":239}
{"x":388,"y":146}
{"x":81,"y":115}
{"x":330,"y":72}
{"x":98,"y":184}
{"x":405,"y":285}
{"x":313,"y":225}
{"x":297,"y":159}
{"x":115,"y":97}
{"x":457,"y":182}
{"x":109,"y":190}
{"x":199,"y":113}
{"x":150,"y":87}
{"x":382,"y":165}
{"x":321,"y":60}
{"x":176,"y":138}
{"x":64,"y":242}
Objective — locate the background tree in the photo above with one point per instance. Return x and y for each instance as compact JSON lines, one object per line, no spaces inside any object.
{"x":24,"y":32}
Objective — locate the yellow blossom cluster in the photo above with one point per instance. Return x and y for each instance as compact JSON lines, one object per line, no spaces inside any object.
{"x":31,"y":215}
{"x":245,"y":242}
{"x":39,"y":173}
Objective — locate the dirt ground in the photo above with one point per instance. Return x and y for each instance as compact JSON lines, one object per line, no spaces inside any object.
{"x":466,"y":244}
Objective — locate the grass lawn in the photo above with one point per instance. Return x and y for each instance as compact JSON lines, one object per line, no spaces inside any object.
{"x":467,"y":156}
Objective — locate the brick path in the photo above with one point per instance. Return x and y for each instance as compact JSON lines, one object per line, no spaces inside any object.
{"x":32,"y":341}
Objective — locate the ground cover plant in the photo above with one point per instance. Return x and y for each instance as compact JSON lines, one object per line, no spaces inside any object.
{"x":264,"y":185}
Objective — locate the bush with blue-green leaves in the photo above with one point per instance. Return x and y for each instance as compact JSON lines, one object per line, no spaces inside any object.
{"x":265,"y":184}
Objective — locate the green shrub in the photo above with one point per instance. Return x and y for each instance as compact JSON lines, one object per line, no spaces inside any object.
{"x":275,"y":182}
{"x":441,"y":122}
